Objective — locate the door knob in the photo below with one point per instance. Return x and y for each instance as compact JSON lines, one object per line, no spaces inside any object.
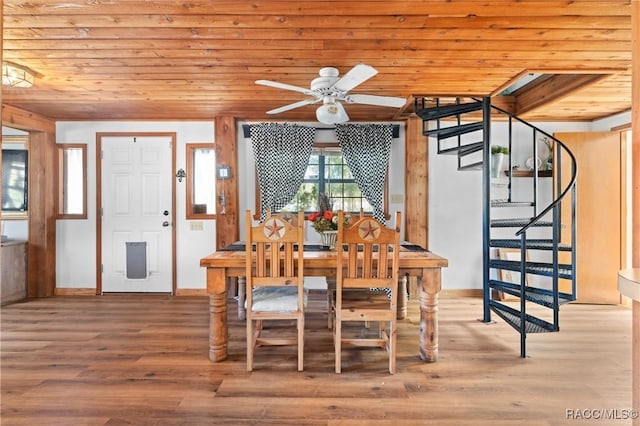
{"x":166,"y":212}
{"x":165,"y":223}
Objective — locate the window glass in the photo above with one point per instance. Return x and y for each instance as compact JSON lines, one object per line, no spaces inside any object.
{"x":327,"y":172}
{"x":72,"y":181}
{"x":201,"y":181}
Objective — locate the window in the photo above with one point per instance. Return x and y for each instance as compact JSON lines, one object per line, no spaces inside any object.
{"x":201,"y":181}
{"x":72,"y":181}
{"x":15,"y":176}
{"x":327,"y":172}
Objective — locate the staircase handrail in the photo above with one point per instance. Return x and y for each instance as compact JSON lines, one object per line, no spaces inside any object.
{"x":574,"y":170}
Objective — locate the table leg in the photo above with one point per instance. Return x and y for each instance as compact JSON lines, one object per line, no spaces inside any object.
{"x":218,"y":331}
{"x":430,"y":285}
{"x":242,"y":295}
{"x":402,"y":297}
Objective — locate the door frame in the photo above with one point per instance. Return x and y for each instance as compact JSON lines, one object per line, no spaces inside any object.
{"x":99,"y":136}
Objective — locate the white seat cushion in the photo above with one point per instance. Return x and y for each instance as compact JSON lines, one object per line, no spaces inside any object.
{"x":277,"y":299}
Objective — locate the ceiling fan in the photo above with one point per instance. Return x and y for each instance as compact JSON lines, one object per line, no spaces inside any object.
{"x":330,"y":89}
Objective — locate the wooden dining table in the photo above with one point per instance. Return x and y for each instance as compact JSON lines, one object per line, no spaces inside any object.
{"x":229,"y":262}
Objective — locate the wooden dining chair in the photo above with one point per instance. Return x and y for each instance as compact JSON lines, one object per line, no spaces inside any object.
{"x":366,"y":286}
{"x":275,"y":283}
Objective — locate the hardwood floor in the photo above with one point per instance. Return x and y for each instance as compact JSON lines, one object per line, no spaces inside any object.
{"x":143,"y":360}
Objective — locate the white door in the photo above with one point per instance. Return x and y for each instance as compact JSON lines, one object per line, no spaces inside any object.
{"x":136,"y":214}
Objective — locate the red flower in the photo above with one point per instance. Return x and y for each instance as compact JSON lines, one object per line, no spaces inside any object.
{"x":328,"y":214}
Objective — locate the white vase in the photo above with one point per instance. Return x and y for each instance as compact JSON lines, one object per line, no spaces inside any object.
{"x":496,"y":164}
{"x":329,"y":238}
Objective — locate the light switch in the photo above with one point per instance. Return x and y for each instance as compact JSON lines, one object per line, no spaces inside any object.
{"x":196,"y":225}
{"x":397,"y":198}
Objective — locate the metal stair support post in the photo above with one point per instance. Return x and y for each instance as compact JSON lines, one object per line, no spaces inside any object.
{"x":486,"y":200}
{"x":523,"y":299}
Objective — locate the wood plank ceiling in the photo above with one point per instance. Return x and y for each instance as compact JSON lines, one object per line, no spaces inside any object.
{"x":102,"y":60}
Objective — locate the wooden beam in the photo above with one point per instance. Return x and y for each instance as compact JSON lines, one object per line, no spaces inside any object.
{"x":416,"y":199}
{"x":41,"y":248}
{"x":24,"y":120}
{"x":227,"y":217}
{"x":552,"y":88}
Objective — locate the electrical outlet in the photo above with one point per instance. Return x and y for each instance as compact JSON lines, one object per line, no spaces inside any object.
{"x":196,"y":225}
{"x":397,"y":198}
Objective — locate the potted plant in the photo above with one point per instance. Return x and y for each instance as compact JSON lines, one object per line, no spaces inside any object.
{"x":497,"y":154}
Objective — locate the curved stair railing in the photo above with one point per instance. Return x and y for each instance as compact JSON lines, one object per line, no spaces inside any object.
{"x":464,"y":129}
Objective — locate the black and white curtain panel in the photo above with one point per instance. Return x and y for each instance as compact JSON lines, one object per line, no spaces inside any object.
{"x":366,"y":149}
{"x":281,"y":152}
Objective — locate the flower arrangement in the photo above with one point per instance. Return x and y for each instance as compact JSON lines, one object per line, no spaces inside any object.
{"x":325,"y":219}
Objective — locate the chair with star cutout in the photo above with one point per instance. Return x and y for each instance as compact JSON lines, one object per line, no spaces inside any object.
{"x":366,"y":287}
{"x":275,"y":284}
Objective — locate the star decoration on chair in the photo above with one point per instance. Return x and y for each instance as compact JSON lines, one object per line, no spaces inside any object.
{"x":369,"y":230}
{"x":274,"y":229}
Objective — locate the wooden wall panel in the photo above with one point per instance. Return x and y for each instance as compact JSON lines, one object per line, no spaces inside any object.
{"x":227,"y":224}
{"x":416,"y":184}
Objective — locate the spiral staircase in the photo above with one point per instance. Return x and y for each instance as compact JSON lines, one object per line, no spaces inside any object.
{"x":529,"y":213}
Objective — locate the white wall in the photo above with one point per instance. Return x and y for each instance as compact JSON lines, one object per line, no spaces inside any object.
{"x":455,"y":201}
{"x":455,"y":206}
{"x":608,"y":123}
{"x":76,"y":239}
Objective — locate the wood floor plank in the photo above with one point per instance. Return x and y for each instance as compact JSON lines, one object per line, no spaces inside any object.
{"x":143,"y":360}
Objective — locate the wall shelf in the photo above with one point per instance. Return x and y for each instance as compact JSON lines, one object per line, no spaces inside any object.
{"x":528,"y":173}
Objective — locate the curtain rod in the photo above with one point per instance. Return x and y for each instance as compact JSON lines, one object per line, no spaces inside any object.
{"x":395,"y":132}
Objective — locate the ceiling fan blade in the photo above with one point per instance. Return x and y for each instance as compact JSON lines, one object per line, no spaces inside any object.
{"x":293,"y":105}
{"x":356,"y":75}
{"x":285,"y":86}
{"x":388,"y":101}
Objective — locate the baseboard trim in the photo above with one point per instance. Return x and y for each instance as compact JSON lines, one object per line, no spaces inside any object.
{"x":74,"y":291}
{"x":463,"y":292}
{"x":191,"y":292}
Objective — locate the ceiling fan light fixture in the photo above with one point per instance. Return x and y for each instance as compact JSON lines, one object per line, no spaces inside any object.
{"x":16,"y":76}
{"x":329,"y":113}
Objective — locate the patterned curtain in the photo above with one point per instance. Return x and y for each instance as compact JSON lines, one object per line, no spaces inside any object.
{"x":281,"y":152}
{"x":366,"y":148}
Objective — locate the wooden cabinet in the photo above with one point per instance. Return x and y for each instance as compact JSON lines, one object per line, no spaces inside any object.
{"x":14,"y":271}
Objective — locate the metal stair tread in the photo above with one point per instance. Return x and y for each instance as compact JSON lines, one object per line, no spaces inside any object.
{"x":470,"y":148}
{"x":503,"y":202}
{"x":443,"y":111}
{"x":471,"y":166}
{"x":540,"y":296}
{"x":462,"y":149}
{"x":448,"y":132}
{"x":536,"y":268}
{"x":518,"y":222}
{"x":533,"y":244}
{"x":512,"y":317}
